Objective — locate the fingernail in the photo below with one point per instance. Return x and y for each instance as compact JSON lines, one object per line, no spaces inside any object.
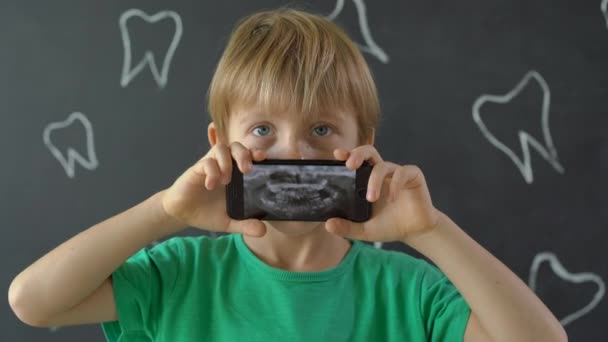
{"x":370,"y":194}
{"x":246,"y":166}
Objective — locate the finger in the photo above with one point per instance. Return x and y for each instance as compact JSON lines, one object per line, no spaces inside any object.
{"x":414,"y":177}
{"x":258,"y":154}
{"x":406,"y":176}
{"x":254,"y":228}
{"x":242,"y":156}
{"x":224,"y":161}
{"x":398,"y":179}
{"x":376,"y":179}
{"x":346,"y":228}
{"x":196,"y":173}
{"x":250,"y":227}
{"x":212,"y":173}
{"x":363,"y":153}
{"x":341,"y":154}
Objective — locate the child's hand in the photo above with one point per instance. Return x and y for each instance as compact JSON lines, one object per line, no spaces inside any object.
{"x":198,"y":196}
{"x":402,"y":205}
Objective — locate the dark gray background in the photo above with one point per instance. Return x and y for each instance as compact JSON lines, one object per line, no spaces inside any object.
{"x":64,"y":56}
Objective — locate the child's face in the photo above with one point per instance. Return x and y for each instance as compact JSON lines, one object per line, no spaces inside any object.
{"x":287,"y":136}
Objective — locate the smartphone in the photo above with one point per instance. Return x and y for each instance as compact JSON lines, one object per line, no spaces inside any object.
{"x":299,"y":190}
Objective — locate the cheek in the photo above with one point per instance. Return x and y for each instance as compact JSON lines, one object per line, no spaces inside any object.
{"x":312,"y":149}
{"x":320,"y":149}
{"x":258,"y":144}
{"x":306,"y":149}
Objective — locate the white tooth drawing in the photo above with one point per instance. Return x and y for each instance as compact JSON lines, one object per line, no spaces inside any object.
{"x":68,"y":161}
{"x":577,"y":278}
{"x":371,"y":46}
{"x":547,"y":151}
{"x":604,"y":7}
{"x":129,"y":73}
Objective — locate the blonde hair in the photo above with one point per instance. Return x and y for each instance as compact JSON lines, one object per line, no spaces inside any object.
{"x":290,"y":60}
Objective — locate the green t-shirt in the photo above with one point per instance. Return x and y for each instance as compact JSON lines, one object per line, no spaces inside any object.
{"x":216,"y":289}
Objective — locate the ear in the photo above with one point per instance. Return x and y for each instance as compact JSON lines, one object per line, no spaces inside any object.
{"x":372,"y":137}
{"x":212,"y":134}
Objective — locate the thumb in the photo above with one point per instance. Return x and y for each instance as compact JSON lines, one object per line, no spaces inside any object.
{"x":345,"y":228}
{"x":252,"y":227}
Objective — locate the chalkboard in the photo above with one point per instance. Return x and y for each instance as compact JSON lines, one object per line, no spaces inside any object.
{"x":503,"y":105}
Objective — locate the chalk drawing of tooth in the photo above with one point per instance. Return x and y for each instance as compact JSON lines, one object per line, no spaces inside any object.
{"x":68,"y":161}
{"x":547,"y":150}
{"x":604,"y":8}
{"x":371,"y":47}
{"x":128,"y":71}
{"x":576,"y":278}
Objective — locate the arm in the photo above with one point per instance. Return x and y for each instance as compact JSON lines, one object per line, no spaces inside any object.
{"x":503,"y":307}
{"x":72,"y":284}
{"x":80,"y":268}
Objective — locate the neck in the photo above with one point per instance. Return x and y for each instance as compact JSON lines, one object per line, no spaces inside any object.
{"x":298,"y":249}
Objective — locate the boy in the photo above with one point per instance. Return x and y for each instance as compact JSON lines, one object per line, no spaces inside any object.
{"x":289,"y":85}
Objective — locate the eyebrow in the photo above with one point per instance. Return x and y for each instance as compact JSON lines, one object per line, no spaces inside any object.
{"x":246,"y":117}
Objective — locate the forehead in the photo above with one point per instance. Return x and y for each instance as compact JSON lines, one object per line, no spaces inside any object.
{"x":242,"y":115}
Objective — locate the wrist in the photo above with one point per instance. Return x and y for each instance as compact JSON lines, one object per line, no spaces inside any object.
{"x":170,"y":225}
{"x":422,"y":240}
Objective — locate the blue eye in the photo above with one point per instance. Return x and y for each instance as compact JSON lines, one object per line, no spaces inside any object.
{"x":261,"y":130}
{"x":322,"y":130}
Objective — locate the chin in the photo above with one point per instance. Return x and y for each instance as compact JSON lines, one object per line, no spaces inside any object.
{"x":295,"y":228}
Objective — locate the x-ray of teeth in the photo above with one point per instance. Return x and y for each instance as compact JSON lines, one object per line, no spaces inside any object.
{"x":546,"y":150}
{"x":71,"y":156}
{"x":129,"y":72}
{"x":296,"y":192}
{"x":370,"y":45}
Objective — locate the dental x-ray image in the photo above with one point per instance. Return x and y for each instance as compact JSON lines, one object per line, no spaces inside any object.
{"x":297,"y":193}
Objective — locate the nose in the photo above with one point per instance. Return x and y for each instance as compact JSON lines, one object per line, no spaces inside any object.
{"x":292,"y":148}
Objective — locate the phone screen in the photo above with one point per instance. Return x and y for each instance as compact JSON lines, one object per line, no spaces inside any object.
{"x":299,"y":192}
